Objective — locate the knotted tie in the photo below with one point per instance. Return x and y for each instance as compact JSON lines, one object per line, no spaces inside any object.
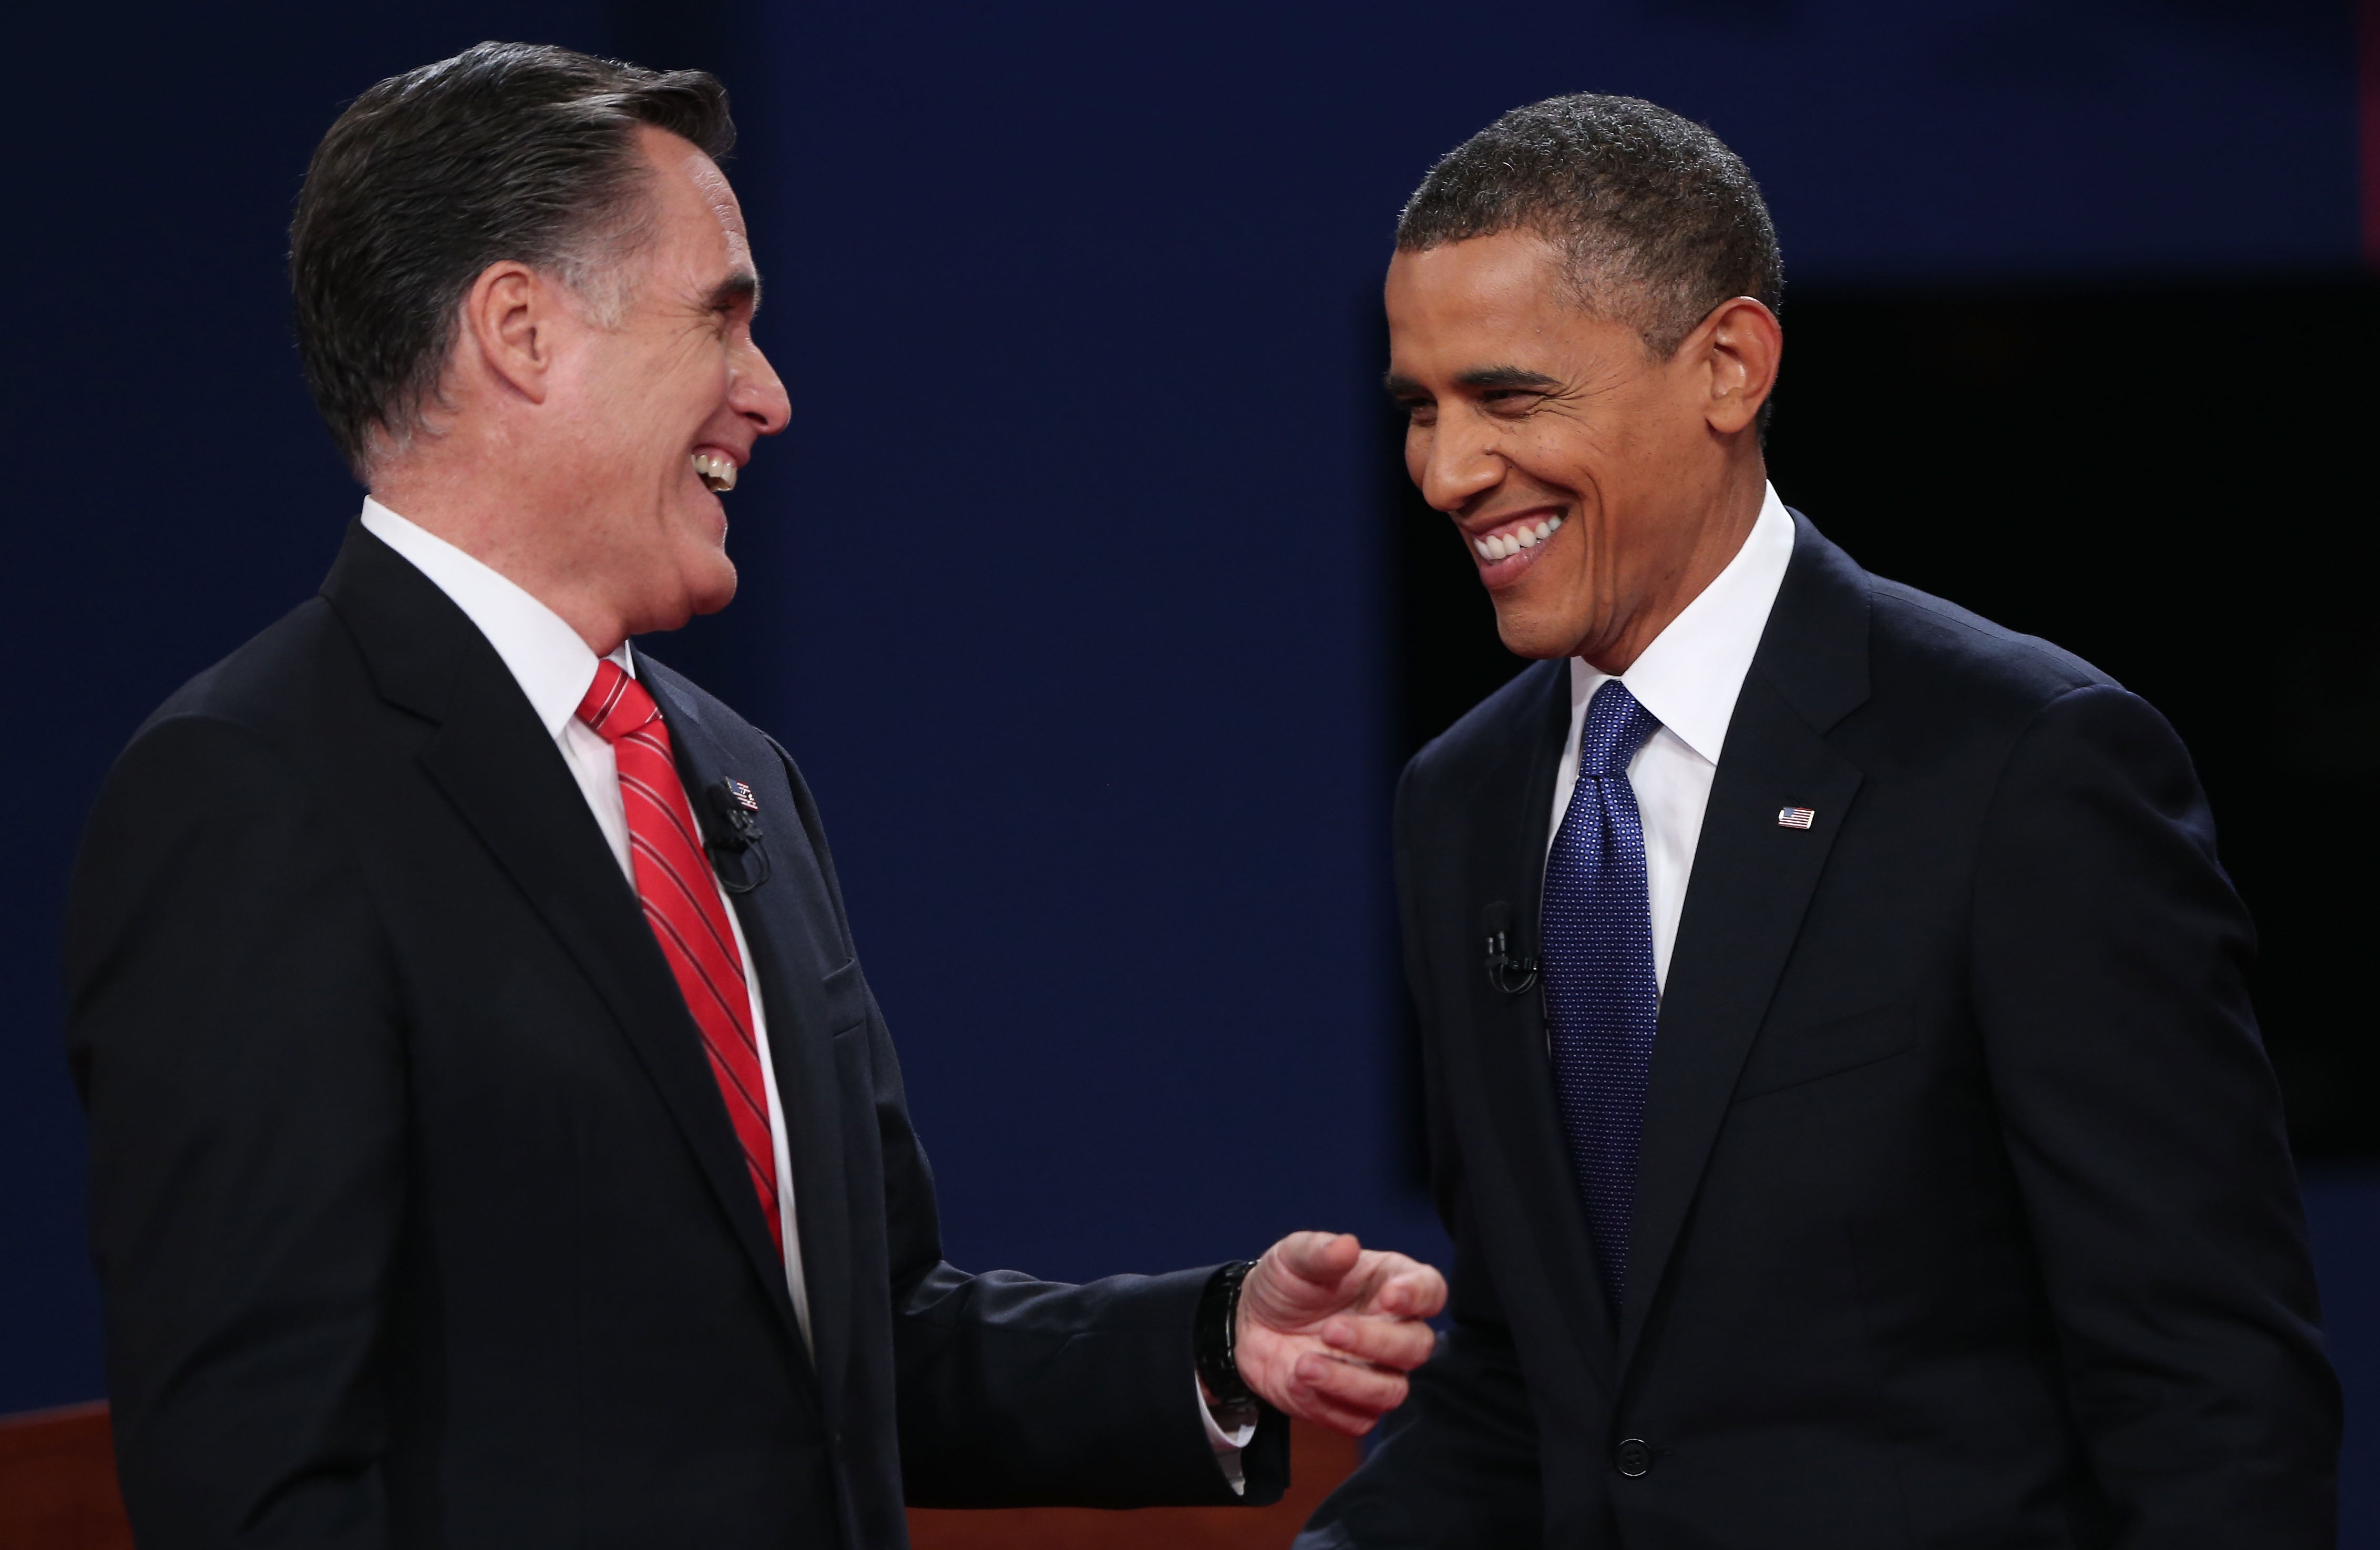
{"x":683,"y":906}
{"x":1602,"y":996}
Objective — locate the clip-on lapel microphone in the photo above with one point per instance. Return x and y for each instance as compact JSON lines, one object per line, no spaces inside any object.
{"x":735,"y":841}
{"x":1507,"y":972}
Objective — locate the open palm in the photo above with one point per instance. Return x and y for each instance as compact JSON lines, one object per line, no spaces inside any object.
{"x":1328,"y":1329}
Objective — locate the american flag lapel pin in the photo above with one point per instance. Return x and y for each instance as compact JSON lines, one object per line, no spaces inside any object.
{"x":735,"y":847}
{"x":738,"y":811}
{"x":1795,"y":817}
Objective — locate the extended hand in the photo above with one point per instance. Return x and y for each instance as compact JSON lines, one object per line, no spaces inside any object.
{"x":1328,"y":1329}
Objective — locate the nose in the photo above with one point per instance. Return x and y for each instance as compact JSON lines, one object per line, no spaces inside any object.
{"x":1455,"y":464}
{"x":757,"y":393}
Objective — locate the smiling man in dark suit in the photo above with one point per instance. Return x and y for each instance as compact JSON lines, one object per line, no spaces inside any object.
{"x":494,"y":1141}
{"x":1844,"y":1095}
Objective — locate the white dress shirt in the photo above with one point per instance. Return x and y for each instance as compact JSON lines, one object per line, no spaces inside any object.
{"x":554,"y":669}
{"x":1688,"y":678}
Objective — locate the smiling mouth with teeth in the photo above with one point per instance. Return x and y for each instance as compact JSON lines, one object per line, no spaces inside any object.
{"x":1499,"y":546}
{"x":715,"y":469}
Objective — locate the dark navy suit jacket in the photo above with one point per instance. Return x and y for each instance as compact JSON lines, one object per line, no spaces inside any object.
{"x":1965,"y":1216}
{"x":418,"y":1215}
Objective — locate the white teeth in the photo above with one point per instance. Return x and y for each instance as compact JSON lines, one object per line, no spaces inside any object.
{"x":1504,"y":545}
{"x":715,"y":470}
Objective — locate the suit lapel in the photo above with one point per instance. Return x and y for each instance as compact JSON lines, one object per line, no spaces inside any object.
{"x":1511,"y":861}
{"x":1752,"y":884}
{"x":495,"y":763}
{"x":784,"y":947}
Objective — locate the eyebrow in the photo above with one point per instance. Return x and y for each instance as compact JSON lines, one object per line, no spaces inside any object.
{"x":1485,"y":376}
{"x":1505,"y":376}
{"x":741,"y":286}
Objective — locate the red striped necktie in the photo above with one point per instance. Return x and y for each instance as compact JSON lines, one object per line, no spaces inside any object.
{"x":689,"y":917}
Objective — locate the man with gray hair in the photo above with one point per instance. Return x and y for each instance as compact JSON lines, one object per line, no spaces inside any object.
{"x":494,"y":1141}
{"x":1843,"y":1090}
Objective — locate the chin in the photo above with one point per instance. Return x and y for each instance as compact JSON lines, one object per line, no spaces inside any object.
{"x":1535,"y":634}
{"x":713,"y":587}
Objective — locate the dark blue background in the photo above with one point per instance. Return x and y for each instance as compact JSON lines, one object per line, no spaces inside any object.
{"x":1068,"y":585}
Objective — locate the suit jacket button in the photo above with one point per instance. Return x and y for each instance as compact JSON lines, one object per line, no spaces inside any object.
{"x":1632,"y":1457}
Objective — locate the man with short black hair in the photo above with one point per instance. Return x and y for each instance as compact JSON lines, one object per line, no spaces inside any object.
{"x":1843,"y":1090}
{"x":494,"y":1141}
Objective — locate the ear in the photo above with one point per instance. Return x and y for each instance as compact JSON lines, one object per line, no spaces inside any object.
{"x":513,"y":318}
{"x":1742,"y":342}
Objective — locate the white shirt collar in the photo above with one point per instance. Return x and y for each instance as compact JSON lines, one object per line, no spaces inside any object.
{"x":1691,"y":674}
{"x":549,"y":661}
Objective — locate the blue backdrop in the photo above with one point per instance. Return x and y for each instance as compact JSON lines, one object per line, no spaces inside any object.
{"x":1069,"y":580}
{"x":1067,"y":585}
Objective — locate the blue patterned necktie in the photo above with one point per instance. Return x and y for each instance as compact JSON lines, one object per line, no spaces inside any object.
{"x":1601,"y":993}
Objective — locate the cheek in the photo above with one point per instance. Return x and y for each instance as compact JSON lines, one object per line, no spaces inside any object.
{"x":684,"y":383}
{"x":1561,"y":457}
{"x":686,"y":388}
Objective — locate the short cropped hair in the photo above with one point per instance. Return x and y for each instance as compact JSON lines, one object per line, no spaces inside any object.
{"x":1658,"y":220}
{"x":507,"y":151}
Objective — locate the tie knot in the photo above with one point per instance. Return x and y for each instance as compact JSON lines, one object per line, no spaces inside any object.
{"x":616,"y":704}
{"x":1616,"y":728}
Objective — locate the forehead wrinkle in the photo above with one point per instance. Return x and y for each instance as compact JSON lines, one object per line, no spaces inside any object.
{"x":716,"y":192}
{"x":741,"y":281}
{"x":731,"y":224}
{"x":709,"y":185}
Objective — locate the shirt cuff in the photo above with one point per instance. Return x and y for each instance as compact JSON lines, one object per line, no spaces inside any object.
{"x":1228,"y":1441}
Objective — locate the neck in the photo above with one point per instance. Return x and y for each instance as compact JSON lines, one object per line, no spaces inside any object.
{"x":1712,"y":540}
{"x":508,"y":530}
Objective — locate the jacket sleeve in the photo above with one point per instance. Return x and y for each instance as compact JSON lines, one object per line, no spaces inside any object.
{"x":1015,"y":1392}
{"x":1456,"y":1465}
{"x":2144,"y":1127}
{"x":233,"y":1030}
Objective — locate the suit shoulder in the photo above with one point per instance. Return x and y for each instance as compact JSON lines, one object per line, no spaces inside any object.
{"x":1492,"y":732}
{"x":1922,"y":644}
{"x":270,"y":685}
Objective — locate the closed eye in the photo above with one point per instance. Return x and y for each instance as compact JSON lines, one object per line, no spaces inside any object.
{"x":1411,"y":398}
{"x":1510,"y":391}
{"x":734,"y":297}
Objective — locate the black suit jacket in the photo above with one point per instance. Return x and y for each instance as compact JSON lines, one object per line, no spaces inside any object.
{"x":1965,"y":1214}
{"x":417,"y":1209}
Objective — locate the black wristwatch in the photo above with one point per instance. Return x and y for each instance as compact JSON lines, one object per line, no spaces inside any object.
{"x":1218,"y":1336}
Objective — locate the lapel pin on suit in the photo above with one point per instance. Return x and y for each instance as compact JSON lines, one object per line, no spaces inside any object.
{"x":736,"y":841}
{"x":1795,"y":817}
